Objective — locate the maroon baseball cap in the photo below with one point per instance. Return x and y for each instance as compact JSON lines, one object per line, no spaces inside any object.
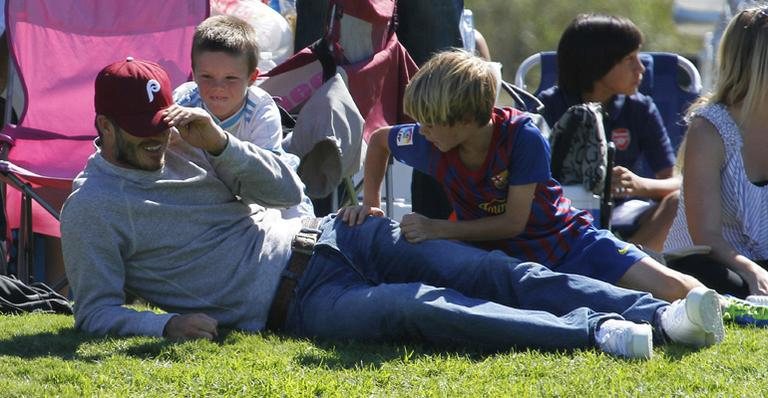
{"x":134,"y":94}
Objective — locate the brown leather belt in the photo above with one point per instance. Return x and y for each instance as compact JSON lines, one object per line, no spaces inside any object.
{"x":302,"y":246}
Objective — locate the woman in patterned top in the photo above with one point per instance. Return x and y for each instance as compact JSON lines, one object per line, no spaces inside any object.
{"x":724,"y":204}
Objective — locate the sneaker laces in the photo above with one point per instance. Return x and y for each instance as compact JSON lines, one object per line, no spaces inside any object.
{"x":625,"y":338}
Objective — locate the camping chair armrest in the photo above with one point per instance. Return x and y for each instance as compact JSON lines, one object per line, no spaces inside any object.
{"x":524,"y":68}
{"x":6,"y":139}
{"x":523,"y":99}
{"x":6,"y":142}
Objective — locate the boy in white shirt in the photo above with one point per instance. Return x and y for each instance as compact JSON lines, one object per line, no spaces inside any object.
{"x":225,"y":56}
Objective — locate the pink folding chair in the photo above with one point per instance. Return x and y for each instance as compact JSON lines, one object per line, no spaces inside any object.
{"x":361,"y":44}
{"x":361,"y":40}
{"x":58,"y":47}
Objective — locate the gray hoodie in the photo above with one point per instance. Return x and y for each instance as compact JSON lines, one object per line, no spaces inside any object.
{"x":180,"y":237}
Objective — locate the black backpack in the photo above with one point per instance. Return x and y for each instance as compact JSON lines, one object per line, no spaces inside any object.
{"x":17,"y":297}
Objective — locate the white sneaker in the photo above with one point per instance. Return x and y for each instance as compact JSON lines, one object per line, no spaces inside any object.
{"x":757,"y":299}
{"x":695,"y":320}
{"x":625,"y":339}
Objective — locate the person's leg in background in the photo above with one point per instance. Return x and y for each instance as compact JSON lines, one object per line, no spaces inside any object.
{"x":428,"y":197}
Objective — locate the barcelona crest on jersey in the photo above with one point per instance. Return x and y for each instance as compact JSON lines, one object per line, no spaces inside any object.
{"x":500,"y":181}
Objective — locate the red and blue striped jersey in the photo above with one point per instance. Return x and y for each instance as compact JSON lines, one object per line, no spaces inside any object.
{"x":518,"y":155}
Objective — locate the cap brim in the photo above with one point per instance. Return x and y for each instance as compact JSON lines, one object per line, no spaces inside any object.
{"x":143,"y":125}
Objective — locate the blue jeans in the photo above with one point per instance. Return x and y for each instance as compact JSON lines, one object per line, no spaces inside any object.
{"x":368,"y":283}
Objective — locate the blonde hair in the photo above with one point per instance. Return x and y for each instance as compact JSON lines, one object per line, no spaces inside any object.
{"x":742,"y":64}
{"x":454,"y":86}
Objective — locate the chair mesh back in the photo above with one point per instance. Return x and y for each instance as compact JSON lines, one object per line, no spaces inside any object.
{"x":59,"y":47}
{"x":663,"y":80}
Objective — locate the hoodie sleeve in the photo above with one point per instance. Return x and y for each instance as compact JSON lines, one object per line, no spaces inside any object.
{"x":92,"y":247}
{"x":257,"y":174}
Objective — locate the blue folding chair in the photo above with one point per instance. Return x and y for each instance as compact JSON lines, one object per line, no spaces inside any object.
{"x":671,"y":80}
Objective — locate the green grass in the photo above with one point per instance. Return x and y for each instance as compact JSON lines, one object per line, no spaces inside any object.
{"x":42,"y":355}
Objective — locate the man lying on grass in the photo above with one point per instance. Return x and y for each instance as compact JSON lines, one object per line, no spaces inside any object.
{"x":162,"y":210}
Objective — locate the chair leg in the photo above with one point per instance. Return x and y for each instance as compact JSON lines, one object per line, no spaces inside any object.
{"x":26,"y":250}
{"x":3,"y":257}
{"x":389,"y":188}
{"x":24,"y":258}
{"x":55,"y":274}
{"x":606,"y":202}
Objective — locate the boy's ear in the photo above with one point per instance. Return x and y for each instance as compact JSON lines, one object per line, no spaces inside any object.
{"x":252,"y":78}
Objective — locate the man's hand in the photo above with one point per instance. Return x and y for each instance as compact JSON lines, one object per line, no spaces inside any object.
{"x":191,"y":326}
{"x":197,"y":128}
{"x":417,"y":228}
{"x":356,"y":214}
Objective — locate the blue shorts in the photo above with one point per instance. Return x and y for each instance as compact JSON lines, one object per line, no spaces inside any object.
{"x":600,"y":255}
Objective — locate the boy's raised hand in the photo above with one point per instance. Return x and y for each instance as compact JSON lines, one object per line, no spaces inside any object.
{"x":356,"y":214}
{"x":196,"y":126}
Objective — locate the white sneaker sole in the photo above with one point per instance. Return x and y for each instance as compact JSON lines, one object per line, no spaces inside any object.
{"x":642,"y":343}
{"x":702,"y":306}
